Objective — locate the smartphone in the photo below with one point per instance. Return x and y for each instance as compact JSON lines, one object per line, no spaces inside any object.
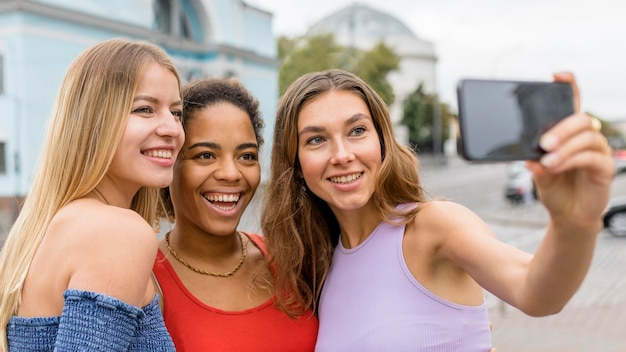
{"x":502,"y":120}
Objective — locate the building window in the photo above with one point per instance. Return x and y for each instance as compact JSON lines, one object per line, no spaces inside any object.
{"x":171,"y":18}
{"x":3,"y":159}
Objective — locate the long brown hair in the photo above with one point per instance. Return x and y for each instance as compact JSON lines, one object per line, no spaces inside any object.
{"x":299,"y":227}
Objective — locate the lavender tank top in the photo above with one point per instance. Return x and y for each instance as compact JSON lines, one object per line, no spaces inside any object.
{"x":371,"y":302}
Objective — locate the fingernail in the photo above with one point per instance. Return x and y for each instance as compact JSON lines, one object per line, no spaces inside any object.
{"x":547,"y":142}
{"x":549,"y":160}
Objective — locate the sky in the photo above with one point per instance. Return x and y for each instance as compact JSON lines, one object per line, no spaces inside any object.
{"x":501,"y":39}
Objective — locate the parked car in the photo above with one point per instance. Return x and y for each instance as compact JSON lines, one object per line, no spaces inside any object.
{"x":614,"y":218}
{"x":519,"y":182}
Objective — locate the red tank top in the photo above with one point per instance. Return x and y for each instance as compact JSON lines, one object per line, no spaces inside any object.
{"x":195,"y":326}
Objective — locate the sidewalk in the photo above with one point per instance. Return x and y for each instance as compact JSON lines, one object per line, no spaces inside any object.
{"x":593,"y":320}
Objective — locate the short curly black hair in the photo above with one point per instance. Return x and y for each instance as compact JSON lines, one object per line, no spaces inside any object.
{"x":200,"y":94}
{"x":206,"y":92}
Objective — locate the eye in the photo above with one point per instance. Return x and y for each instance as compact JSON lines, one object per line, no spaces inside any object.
{"x":357,"y":131}
{"x":249,"y":157}
{"x":177,"y":113}
{"x":204,"y":156}
{"x":143,"y":110}
{"x":315,"y":140}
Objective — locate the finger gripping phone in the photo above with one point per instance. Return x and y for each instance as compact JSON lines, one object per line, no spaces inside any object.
{"x":502,"y":120}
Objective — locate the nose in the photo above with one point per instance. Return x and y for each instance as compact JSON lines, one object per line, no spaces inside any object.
{"x":169,"y":125}
{"x":342,"y":153}
{"x":227,"y":170}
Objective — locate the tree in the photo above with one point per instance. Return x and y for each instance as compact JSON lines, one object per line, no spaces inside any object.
{"x":305,"y":55}
{"x":419,"y":114}
{"x":374,"y":66}
{"x":317,"y":53}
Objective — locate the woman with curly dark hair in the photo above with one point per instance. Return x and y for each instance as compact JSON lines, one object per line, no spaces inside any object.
{"x":216,"y":283}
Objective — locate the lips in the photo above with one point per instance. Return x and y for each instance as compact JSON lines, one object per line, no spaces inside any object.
{"x":223,"y":201}
{"x":346,"y":178}
{"x":158,"y":153}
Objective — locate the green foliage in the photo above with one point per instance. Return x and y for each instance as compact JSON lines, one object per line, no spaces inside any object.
{"x":373,"y":67}
{"x":420,"y":111}
{"x":317,"y":53}
{"x":304,"y":56}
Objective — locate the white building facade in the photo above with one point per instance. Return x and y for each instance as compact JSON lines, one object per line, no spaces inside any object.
{"x":40,"y":38}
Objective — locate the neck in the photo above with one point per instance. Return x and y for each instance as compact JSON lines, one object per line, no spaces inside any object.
{"x":202,"y":265}
{"x":194,"y":242}
{"x":357,"y":225}
{"x":111,"y":193}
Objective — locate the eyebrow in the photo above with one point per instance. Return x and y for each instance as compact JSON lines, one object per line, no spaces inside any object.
{"x":145,"y":97}
{"x":219,"y":146}
{"x":153,"y":99}
{"x":354,"y":118}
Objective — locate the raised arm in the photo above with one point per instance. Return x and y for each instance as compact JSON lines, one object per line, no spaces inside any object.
{"x":573,"y":181}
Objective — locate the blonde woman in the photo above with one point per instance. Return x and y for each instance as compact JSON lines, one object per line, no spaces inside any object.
{"x":75,"y":269}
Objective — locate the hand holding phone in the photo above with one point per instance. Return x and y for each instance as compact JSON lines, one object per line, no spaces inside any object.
{"x":503,"y":120}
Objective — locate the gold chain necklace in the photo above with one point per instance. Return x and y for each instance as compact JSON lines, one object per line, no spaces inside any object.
{"x":244,"y":252}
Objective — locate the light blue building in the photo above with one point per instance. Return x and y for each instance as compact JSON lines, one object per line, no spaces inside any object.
{"x":40,"y":38}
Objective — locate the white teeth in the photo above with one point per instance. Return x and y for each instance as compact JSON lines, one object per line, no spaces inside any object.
{"x":217,"y":199}
{"x":228,"y":198}
{"x":345,"y":179}
{"x":163,"y":154}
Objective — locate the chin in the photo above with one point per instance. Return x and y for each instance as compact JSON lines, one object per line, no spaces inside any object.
{"x":161,"y":181}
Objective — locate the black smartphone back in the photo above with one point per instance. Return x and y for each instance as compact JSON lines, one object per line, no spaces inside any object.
{"x":503,"y":120}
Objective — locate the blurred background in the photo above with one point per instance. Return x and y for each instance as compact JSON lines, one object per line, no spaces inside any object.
{"x":412,"y":52}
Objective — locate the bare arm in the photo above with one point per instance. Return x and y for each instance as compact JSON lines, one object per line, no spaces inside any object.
{"x":573,"y":180}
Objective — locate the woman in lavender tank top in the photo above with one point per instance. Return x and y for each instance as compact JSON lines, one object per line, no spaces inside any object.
{"x":360,"y":242}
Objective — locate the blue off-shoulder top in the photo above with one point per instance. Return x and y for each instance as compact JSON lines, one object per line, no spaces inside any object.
{"x":92,"y":322}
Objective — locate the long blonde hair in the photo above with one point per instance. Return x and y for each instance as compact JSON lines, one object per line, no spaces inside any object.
{"x":299,"y":227}
{"x":87,"y":123}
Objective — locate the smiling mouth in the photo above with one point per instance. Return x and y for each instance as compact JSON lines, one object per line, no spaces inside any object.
{"x":346,"y":179}
{"x":162,"y":153}
{"x":223,"y":201}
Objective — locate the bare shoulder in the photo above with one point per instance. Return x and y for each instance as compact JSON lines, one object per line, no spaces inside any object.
{"x":438,"y":213}
{"x":444,"y":219}
{"x":448,"y":227}
{"x":109,"y":249}
{"x":86,"y":221}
